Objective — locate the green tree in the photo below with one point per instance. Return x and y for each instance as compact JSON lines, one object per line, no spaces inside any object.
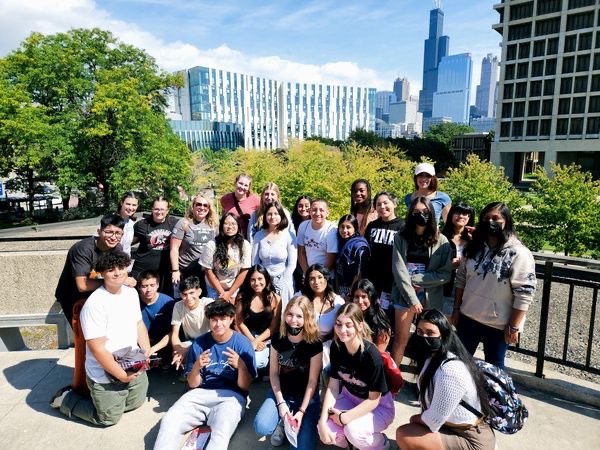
{"x":366,"y":138}
{"x":566,"y":208}
{"x":446,"y":132}
{"x":106,"y":98}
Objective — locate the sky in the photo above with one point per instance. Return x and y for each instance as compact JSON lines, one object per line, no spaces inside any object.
{"x":352,"y":42}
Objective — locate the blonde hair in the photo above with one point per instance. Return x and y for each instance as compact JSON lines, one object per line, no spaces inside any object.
{"x":270,"y":186}
{"x":310,"y":328}
{"x":211,"y":219}
{"x":353,"y":312}
{"x":245,"y":175}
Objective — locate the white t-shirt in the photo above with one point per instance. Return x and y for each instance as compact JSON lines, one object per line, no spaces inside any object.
{"x":113,"y":316}
{"x":226,"y":275}
{"x":193,"y":321}
{"x":326,"y":321}
{"x":317,"y":243}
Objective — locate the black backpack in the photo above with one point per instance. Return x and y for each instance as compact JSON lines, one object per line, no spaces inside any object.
{"x":509,"y":412}
{"x":347,"y":261}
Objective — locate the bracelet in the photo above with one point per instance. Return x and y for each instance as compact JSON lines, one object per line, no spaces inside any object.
{"x":340,"y":417}
{"x":280,"y":403}
{"x":174,"y":270}
{"x":511,"y":328}
{"x":301,"y":410}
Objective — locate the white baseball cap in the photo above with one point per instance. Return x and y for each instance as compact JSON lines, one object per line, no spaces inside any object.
{"x":426,"y":168}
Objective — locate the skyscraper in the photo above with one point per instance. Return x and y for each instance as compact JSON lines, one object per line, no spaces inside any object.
{"x":485,"y":97}
{"x":401,"y":89}
{"x":436,"y":47}
{"x":452,"y":97}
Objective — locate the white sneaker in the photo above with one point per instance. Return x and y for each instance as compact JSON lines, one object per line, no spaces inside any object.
{"x":59,"y":397}
{"x":278,"y":436}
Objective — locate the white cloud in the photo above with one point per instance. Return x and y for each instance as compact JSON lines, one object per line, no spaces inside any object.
{"x":18,"y":18}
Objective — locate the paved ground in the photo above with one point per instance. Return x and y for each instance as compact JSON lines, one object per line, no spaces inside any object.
{"x":28,"y":379}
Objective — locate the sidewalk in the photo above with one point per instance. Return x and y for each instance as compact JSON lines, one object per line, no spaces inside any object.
{"x":28,"y":380}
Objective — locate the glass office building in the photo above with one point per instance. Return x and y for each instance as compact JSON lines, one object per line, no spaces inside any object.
{"x":453,"y":94}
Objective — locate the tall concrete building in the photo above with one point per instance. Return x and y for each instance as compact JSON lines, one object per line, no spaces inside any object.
{"x":401,"y":89}
{"x":453,"y":95}
{"x":485,"y":96}
{"x":270,"y":112}
{"x":436,"y":47}
{"x":549,"y":88}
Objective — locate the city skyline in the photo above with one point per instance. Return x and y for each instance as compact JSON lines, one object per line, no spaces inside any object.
{"x":306,"y":41}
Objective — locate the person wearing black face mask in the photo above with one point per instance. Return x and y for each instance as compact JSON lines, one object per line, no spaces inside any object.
{"x":448,"y":377}
{"x":495,"y":284}
{"x":421,"y":265}
{"x":295,"y":365}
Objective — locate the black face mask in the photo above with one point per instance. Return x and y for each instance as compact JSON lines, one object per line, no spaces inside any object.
{"x":293,"y":331}
{"x":425,"y":345}
{"x":492,"y":227}
{"x":421,"y":218}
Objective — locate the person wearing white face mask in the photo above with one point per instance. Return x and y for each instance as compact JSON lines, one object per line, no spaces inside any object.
{"x":495,"y":284}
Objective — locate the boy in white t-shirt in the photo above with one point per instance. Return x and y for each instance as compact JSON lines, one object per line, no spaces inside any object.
{"x":188,"y":317}
{"x":317,"y":238}
{"x":111,"y":321}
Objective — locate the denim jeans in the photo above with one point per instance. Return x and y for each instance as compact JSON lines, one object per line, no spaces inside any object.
{"x":262,"y":356}
{"x":471,"y":333}
{"x":268,"y":416}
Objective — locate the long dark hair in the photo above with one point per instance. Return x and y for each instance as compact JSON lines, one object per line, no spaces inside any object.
{"x":246,"y":292}
{"x":448,"y":229}
{"x":477,"y":244}
{"x":283,"y":224}
{"x":368,"y":203}
{"x":296,"y":219}
{"x":375,"y":316}
{"x":431,"y":234}
{"x":222,"y":241}
{"x":329,"y":294}
{"x":354,"y":222}
{"x":450,"y":343}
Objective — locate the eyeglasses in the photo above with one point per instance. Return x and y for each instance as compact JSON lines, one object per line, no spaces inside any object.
{"x":201,"y":205}
{"x":113,"y":233}
{"x":159,"y":209}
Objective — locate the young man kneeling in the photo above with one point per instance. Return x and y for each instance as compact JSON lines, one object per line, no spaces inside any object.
{"x":220,"y":366}
{"x":111,"y":321}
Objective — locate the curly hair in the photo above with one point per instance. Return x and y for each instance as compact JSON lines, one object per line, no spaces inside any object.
{"x":112,"y":260}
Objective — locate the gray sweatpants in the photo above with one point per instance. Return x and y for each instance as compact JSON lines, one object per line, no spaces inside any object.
{"x":221,"y":409}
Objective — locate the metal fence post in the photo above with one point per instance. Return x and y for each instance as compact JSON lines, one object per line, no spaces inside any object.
{"x":541,"y":353}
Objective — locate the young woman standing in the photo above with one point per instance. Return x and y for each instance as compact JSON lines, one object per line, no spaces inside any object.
{"x":300,"y":213}
{"x":241,"y":202}
{"x":361,"y":205}
{"x":270,"y":194}
{"x":426,"y":184}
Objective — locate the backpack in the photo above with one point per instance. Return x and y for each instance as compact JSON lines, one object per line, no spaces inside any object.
{"x":347,"y":264}
{"x":509,"y":413}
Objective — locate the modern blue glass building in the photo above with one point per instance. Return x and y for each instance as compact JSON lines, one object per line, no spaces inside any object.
{"x":453,"y":94}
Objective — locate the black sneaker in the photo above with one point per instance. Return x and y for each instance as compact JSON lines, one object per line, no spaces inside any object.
{"x":59,"y":397}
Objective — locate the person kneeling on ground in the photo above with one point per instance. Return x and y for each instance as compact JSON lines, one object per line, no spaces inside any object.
{"x":220,"y":366}
{"x":111,"y":321}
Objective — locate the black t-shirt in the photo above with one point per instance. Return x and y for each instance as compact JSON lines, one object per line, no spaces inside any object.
{"x":294,"y":364}
{"x":155,"y":243}
{"x":81,"y":260}
{"x":380,"y":235}
{"x":360,"y":373}
{"x":417,"y":252}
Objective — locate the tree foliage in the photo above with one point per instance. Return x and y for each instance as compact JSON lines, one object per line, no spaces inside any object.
{"x":102,"y":103}
{"x":446,"y":132}
{"x":566,"y":208}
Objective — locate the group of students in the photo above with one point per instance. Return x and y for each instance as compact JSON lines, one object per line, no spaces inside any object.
{"x":317,"y":307}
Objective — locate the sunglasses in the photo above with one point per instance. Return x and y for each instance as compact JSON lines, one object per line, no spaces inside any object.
{"x":202,"y":205}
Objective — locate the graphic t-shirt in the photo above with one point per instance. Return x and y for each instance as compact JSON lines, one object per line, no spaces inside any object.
{"x":193,"y":237}
{"x":317,"y":243}
{"x":193,"y":321}
{"x":294,"y":364}
{"x":380,"y":235}
{"x":360,"y":373}
{"x":226,"y":275}
{"x":218,"y":374}
{"x":417,"y":258}
{"x":155,"y":240}
{"x":157,"y":317}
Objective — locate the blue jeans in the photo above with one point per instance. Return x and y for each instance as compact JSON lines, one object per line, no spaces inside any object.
{"x":268,"y":416}
{"x":471,"y":333}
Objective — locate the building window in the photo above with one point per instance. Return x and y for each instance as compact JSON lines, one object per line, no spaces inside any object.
{"x":548,"y":6}
{"x":508,"y":90}
{"x":535,"y":88}
{"x":545,"y":127}
{"x":522,"y":31}
{"x":579,"y":21}
{"x":524,"y":50}
{"x":548,"y":87}
{"x":532,"y":127}
{"x":511,"y":52}
{"x":522,"y":11}
{"x":564,"y":105}
{"x":595,"y":83}
{"x":576,"y":125}
{"x":552,"y":47}
{"x":568,"y":64}
{"x":597,"y":60}
{"x":519,"y":109}
{"x":570,"y":43}
{"x":522,"y":69}
{"x":537,"y":68}
{"x":548,"y":26}
{"x":583,"y":63}
{"x":533,"y":108}
{"x":517,"y":128}
{"x":509,"y":73}
{"x":578,"y":105}
{"x":580,"y":3}
{"x":594,"y":104}
{"x":593,"y":125}
{"x":551,"y":66}
{"x":521,"y":90}
{"x":580,"y":84}
{"x":505,"y":129}
{"x":562,"y":126}
{"x":566,"y":85}
{"x":539,"y":48}
{"x":585,"y":41}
